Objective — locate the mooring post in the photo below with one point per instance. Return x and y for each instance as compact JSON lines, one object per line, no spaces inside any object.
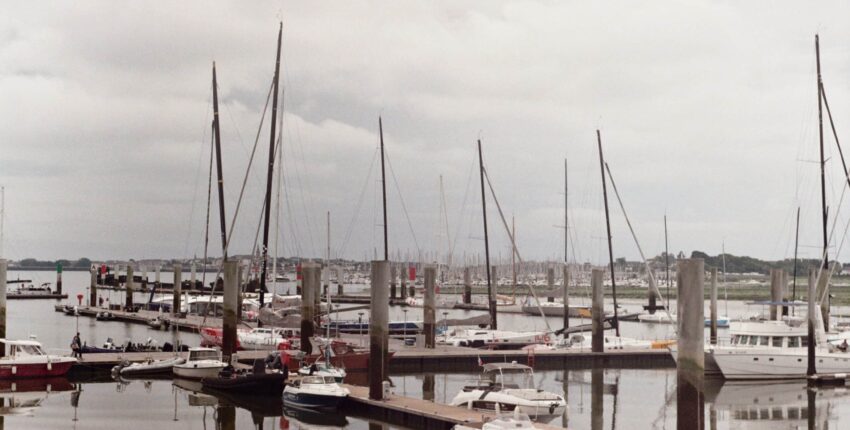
{"x":566,"y":298}
{"x":194,"y":277}
{"x":493,"y":304}
{"x":428,"y":385}
{"x":550,"y":283}
{"x":690,"y":398}
{"x":310,"y":273}
{"x":775,"y":292}
{"x":597,"y":401}
{"x":811,"y":368}
{"x":58,"y":278}
{"x":467,"y":286}
{"x":652,"y":297}
{"x":378,"y":329}
{"x":713,"y":307}
{"x":597,"y":313}
{"x":129,"y":287}
{"x":403,"y":277}
{"x":823,"y":291}
{"x":430,"y":305}
{"x":230,"y":295}
{"x":2,"y":304}
{"x":157,"y":283}
{"x":93,"y":287}
{"x":178,"y":288}
{"x":393,"y":280}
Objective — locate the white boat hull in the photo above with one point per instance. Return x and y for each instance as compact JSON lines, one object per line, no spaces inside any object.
{"x":777,"y":363}
{"x":200,"y":372}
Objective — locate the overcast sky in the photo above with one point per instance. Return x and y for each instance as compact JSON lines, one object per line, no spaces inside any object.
{"x":708,"y":113}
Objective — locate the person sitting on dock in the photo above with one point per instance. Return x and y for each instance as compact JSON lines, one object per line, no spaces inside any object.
{"x":76,"y":346}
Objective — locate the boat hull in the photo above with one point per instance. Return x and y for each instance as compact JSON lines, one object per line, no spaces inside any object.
{"x":311,"y":401}
{"x":267,"y":384}
{"x":34,"y":370}
{"x":184,"y":371}
{"x":762,"y":363}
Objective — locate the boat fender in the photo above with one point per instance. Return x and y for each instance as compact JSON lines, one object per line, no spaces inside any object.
{"x":49,"y":366}
{"x":552,"y":408}
{"x":14,"y":371}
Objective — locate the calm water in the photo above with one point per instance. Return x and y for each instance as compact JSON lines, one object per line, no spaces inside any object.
{"x":621,"y":399}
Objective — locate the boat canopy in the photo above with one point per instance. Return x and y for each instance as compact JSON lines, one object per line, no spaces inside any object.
{"x":20,"y":342}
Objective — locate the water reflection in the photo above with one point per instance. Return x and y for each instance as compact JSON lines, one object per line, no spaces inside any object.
{"x":23,"y":396}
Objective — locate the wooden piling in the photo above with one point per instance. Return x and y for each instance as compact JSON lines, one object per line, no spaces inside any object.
{"x":597,"y":312}
{"x":2,"y":304}
{"x":393,"y":280}
{"x":378,"y":329}
{"x":690,"y":286}
{"x":823,"y":291}
{"x":597,"y":401}
{"x":59,"y":278}
{"x":566,"y":289}
{"x":178,"y":288}
{"x":310,"y":274}
{"x":713,"y":307}
{"x":129,"y":287}
{"x":653,"y":306}
{"x":430,"y":305}
{"x":230,"y":297}
{"x":690,"y":397}
{"x":467,"y":286}
{"x":404,"y":275}
{"x":550,"y":283}
{"x":93,"y":287}
{"x":775,"y":292}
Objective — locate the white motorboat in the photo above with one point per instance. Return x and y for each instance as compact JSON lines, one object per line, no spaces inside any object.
{"x":495,"y":339}
{"x":322,"y":368}
{"x":582,"y":341}
{"x":26,"y":359}
{"x":202,"y":363}
{"x":513,"y":421}
{"x":314,"y":392}
{"x":495,"y":393}
{"x":148,"y":367}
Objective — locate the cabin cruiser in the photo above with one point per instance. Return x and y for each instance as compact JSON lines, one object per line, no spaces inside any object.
{"x":266,"y":338}
{"x":314,"y":392}
{"x":499,"y":394}
{"x":582,"y":341}
{"x":147,"y":368}
{"x":26,"y":359}
{"x":201,"y":363}
{"x":493,"y":339}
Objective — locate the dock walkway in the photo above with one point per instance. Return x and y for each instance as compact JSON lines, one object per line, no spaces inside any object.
{"x":415,"y":413}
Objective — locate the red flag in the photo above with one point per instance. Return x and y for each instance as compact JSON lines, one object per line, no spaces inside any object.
{"x":298,"y":272}
{"x":103,"y":269}
{"x":412,"y":271}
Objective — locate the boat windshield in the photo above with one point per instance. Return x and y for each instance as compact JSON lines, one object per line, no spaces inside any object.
{"x":317,"y":380}
{"x":204,"y":355}
{"x":27,"y":350}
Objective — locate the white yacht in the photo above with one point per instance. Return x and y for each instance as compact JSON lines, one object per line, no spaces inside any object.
{"x":322,"y":368}
{"x":266,"y":338}
{"x":202,"y":363}
{"x":496,"y":393}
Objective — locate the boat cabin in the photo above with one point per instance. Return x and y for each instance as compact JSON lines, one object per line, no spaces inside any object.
{"x":772,"y":341}
{"x":21,"y":348}
{"x":198,"y":354}
{"x":314,"y":380}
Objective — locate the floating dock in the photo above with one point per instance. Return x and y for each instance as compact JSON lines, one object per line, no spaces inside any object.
{"x":53,"y":296}
{"x":414,"y":413}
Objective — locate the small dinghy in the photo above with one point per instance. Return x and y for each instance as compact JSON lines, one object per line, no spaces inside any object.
{"x":147,"y":368}
{"x":256,"y":383}
{"x":314,"y":392}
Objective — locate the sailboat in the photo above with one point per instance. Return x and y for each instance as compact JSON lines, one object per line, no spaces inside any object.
{"x":778,"y":349}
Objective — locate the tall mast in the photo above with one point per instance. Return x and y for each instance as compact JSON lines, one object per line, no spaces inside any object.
{"x":270,"y":173}
{"x":667,"y":263}
{"x":796,"y":245}
{"x":219,"y":173}
{"x":608,"y":225}
{"x":566,"y":217}
{"x":513,"y":254}
{"x":384,"y":189}
{"x":822,"y":161}
{"x":490,"y":298}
